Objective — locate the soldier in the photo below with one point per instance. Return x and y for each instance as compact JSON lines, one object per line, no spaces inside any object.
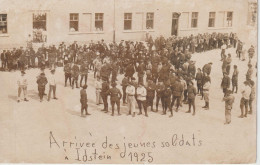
{"x":98,"y":86}
{"x":130,"y":70}
{"x":191,"y":97}
{"x":67,"y":71}
{"x":114,"y":71}
{"x":229,"y":100}
{"x":176,"y":94}
{"x":141,"y":98}
{"x":41,"y":81}
{"x":246,"y":91}
{"x":251,"y":52}
{"x":206,"y":87}
{"x":207,"y":68}
{"x":115,"y":96}
{"x":140,"y":69}
{"x":225,"y":84}
{"x":104,"y":94}
{"x":75,"y":75}
{"x":124,"y":86}
{"x":235,"y":79}
{"x":84,"y":101}
{"x":150,"y":88}
{"x":249,"y":72}
{"x":229,"y":60}
{"x":130,"y":92}
{"x":167,"y":98}
{"x":22,"y":86}
{"x":155,"y":72}
{"x":159,"y":94}
{"x":252,"y":96}
{"x":84,"y":73}
{"x":192,"y":69}
{"x":198,"y":78}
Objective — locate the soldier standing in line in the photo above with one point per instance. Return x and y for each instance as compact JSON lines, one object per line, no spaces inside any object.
{"x":141,"y":98}
{"x":159,"y":94}
{"x":225,"y":84}
{"x":84,"y":101}
{"x":115,"y":96}
{"x":249,"y":72}
{"x":41,"y":81}
{"x":229,"y":100}
{"x":228,"y":60}
{"x":124,"y":86}
{"x":191,"y":97}
{"x":22,"y":86}
{"x":252,"y":96}
{"x":130,"y":92}
{"x":114,"y":67}
{"x":167,"y":98}
{"x":206,"y":87}
{"x":84,"y":72}
{"x":235,"y":79}
{"x":140,"y":69}
{"x":150,"y":88}
{"x":75,"y":75}
{"x":67,"y":71}
{"x":176,"y":94}
{"x":198,"y":78}
{"x":104,"y":94}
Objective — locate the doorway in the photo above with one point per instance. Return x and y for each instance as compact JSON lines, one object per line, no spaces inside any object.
{"x":175,"y":23}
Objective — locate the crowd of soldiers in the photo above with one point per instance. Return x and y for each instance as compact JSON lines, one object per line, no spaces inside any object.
{"x":160,"y":67}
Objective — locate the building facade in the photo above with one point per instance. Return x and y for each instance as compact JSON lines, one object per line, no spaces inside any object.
{"x":53,"y":21}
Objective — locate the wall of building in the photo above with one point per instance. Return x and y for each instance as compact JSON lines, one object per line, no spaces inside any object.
{"x":20,"y":18}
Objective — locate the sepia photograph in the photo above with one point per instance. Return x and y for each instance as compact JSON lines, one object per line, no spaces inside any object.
{"x":128,"y":81}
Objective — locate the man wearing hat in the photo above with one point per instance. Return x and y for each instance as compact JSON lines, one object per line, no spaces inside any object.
{"x":251,"y":52}
{"x":75,"y":75}
{"x":160,"y":94}
{"x":124,"y":86}
{"x":74,"y":48}
{"x":67,"y":71}
{"x":176,"y":94}
{"x":104,"y":94}
{"x":150,"y":93}
{"x":198,"y":78}
{"x":167,"y":98}
{"x":115,"y":96}
{"x":191,"y":96}
{"x":225,"y":84}
{"x":140,"y":69}
{"x":207,"y":68}
{"x":206,"y":88}
{"x":192,"y":69}
{"x":229,"y":100}
{"x":249,"y":72}
{"x":228,"y":60}
{"x":22,"y":86}
{"x":141,"y":98}
{"x":52,"y":87}
{"x":41,"y":81}
{"x":84,"y":101}
{"x":235,"y":79}
{"x":83,"y":72}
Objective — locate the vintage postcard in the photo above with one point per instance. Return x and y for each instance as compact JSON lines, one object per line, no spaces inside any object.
{"x":128,"y":81}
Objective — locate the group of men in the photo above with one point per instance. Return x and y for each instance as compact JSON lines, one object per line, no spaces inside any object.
{"x":160,"y":68}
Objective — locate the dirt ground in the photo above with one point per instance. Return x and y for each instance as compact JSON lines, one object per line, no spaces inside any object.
{"x":25,"y":127}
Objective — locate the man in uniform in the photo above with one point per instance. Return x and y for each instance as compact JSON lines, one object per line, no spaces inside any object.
{"x":198,"y":78}
{"x":206,"y":86}
{"x":252,"y":96}
{"x":249,"y":72}
{"x":104,"y":94}
{"x":75,"y":75}
{"x":67,"y":71}
{"x":124,"y":86}
{"x":229,"y":100}
{"x":246,"y":91}
{"x":84,"y":101}
{"x":191,"y":97}
{"x":207,"y":68}
{"x":176,"y":94}
{"x":159,"y":94}
{"x":225,"y":84}
{"x":84,"y":72}
{"x":115,"y":96}
{"x":235,"y":79}
{"x":150,"y":93}
{"x":41,"y":81}
{"x":167,"y":98}
{"x":140,"y":70}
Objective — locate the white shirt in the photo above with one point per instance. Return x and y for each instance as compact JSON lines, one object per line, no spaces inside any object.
{"x":130,"y":90}
{"x":52,"y":80}
{"x":141,"y":93}
{"x":224,"y":46}
{"x":246,"y":90}
{"x":98,"y":85}
{"x":22,"y":81}
{"x":206,"y":85}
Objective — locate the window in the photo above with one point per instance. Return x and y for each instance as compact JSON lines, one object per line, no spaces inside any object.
{"x":39,"y":27}
{"x":149,"y":20}
{"x":74,"y":22}
{"x":99,"y":21}
{"x":252,"y":13}
{"x":229,"y":19}
{"x":127,"y":21}
{"x":194,"y":19}
{"x":212,"y":16}
{"x":3,"y":23}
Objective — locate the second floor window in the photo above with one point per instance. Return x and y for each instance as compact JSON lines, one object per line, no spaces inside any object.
{"x":127,"y":21}
{"x":3,"y":23}
{"x":99,"y":21}
{"x":74,"y":22}
{"x":229,"y":19}
{"x":194,"y":20}
{"x":212,"y":19}
{"x":149,"y":20}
